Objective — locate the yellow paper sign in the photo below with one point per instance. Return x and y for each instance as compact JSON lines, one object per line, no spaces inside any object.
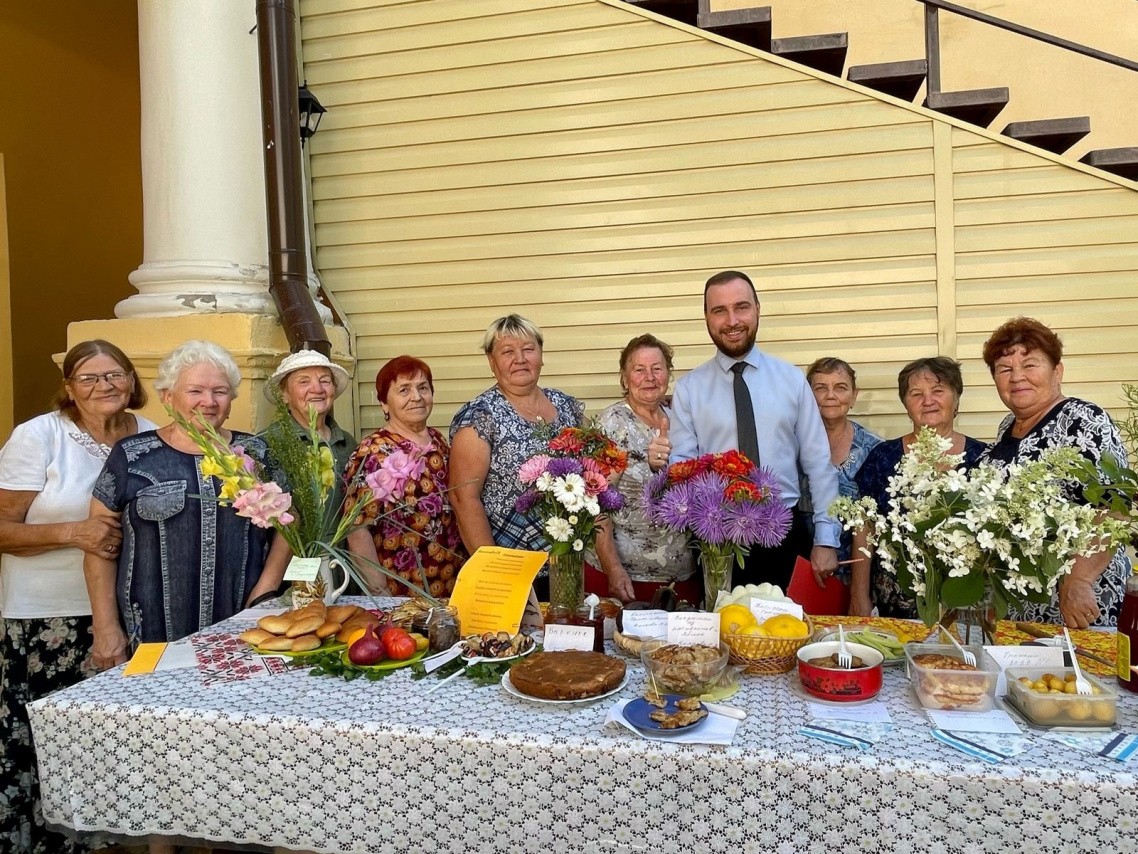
{"x":493,"y":587}
{"x":145,"y":659}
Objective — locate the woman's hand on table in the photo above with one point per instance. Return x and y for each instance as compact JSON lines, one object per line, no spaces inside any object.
{"x":1078,"y":604}
{"x":108,"y":648}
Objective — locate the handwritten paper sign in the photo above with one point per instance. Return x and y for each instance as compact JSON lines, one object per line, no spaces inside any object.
{"x":691,"y":628}
{"x":302,"y":569}
{"x":993,"y":720}
{"x":493,"y":587}
{"x":875,"y":712}
{"x":764,"y":609}
{"x":646,"y":624}
{"x":567,"y":637}
{"x":1023,"y":656}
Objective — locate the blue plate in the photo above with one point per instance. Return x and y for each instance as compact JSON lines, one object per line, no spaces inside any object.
{"x":637,"y":713}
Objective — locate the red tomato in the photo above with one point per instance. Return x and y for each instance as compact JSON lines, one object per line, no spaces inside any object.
{"x":398,"y":644}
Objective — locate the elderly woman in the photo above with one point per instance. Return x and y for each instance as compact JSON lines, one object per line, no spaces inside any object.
{"x":1026,"y":361}
{"x":188,"y":561}
{"x":834,"y":383}
{"x":413,"y":535}
{"x":930,"y":390}
{"x":47,"y":470}
{"x":493,"y":434}
{"x":307,"y":380}
{"x":649,"y":557}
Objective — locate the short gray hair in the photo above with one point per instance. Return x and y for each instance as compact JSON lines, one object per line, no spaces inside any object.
{"x":196,"y":353}
{"x":511,"y":326}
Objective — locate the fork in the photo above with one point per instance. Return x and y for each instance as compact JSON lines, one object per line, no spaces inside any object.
{"x":1082,"y":686}
{"x":967,"y":655}
{"x":845,"y":660}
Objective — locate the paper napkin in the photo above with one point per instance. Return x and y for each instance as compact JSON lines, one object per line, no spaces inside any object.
{"x":990,"y":747}
{"x":860,"y":734}
{"x":1119,"y":746}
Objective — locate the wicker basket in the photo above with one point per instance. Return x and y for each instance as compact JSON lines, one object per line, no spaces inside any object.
{"x":760,"y":656}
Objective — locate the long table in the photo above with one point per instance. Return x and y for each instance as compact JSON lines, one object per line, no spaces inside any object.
{"x":331,"y":766}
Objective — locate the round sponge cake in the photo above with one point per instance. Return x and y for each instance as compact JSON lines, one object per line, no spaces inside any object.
{"x":567,"y":674}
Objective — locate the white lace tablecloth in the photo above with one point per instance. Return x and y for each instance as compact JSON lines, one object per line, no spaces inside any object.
{"x":322,"y":764}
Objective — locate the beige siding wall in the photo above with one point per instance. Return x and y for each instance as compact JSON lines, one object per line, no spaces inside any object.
{"x":589,"y":167}
{"x":1045,"y":81}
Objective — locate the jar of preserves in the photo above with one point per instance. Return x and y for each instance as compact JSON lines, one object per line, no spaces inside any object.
{"x":443,"y":630}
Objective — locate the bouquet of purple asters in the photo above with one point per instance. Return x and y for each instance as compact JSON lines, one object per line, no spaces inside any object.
{"x":726,"y":503}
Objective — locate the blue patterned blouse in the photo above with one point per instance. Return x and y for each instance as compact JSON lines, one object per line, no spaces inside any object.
{"x":512,"y":440}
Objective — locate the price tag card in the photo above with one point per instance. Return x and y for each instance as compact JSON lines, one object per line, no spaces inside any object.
{"x":302,"y":569}
{"x":691,"y":628}
{"x":764,"y":609}
{"x":567,"y":637}
{"x":646,"y":624}
{"x":1023,"y":656}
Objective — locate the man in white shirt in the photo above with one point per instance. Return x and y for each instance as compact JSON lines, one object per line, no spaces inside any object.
{"x":791,"y":436}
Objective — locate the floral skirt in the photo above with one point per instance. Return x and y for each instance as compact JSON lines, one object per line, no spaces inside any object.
{"x":37,"y":656}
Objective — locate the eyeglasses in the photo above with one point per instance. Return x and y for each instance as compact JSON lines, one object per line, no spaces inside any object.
{"x":116,"y":378}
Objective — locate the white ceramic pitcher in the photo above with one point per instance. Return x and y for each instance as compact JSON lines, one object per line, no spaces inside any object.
{"x":322,"y":587}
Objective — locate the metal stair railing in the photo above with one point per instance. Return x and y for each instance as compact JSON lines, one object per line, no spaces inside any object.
{"x":932,"y":38}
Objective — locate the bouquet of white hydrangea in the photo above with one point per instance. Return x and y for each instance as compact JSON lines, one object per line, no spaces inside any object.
{"x":953,"y":538}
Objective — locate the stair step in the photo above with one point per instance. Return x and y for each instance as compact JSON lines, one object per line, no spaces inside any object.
{"x":826,"y":53}
{"x":899,"y":79}
{"x":979,"y":106}
{"x":749,"y":26}
{"x":1054,"y":135}
{"x":684,"y":11}
{"x":1120,"y":161}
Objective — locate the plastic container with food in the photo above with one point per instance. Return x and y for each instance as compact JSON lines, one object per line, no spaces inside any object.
{"x":1046,"y":696}
{"x":687,"y":670}
{"x":942,"y":680}
{"x":819,"y":674}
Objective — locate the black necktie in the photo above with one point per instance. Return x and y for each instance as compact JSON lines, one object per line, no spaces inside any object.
{"x":745,"y":415}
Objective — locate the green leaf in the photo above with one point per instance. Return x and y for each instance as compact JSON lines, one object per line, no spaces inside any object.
{"x":963,"y":591}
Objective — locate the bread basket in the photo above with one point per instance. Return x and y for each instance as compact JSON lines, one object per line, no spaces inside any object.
{"x":759,"y":656}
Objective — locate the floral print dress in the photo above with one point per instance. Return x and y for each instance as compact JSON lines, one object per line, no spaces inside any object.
{"x":416,"y":535}
{"x":649,"y":553}
{"x":1086,"y":427}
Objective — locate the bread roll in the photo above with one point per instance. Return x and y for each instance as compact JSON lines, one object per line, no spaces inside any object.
{"x":277,"y":624}
{"x":304,"y":626}
{"x":305,"y":643}
{"x":256,"y":637}
{"x":342,"y":613}
{"x":277,"y":644}
{"x":315,"y":608}
{"x":328,"y":629}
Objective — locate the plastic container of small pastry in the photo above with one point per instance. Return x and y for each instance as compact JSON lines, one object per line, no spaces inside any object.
{"x":947,"y":683}
{"x":1047,"y":697}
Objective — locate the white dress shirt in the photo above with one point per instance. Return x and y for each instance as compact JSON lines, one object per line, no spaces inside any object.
{"x":792,"y":437}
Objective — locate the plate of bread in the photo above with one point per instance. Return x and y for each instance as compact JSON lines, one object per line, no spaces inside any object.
{"x":311,"y":630}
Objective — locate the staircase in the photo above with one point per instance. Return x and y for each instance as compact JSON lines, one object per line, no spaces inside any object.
{"x":903,"y":79}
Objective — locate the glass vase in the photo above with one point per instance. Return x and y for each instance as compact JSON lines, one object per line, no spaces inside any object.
{"x":716,"y":575}
{"x":566,"y":581}
{"x":975,"y":624}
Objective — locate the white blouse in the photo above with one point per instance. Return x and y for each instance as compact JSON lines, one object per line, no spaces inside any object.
{"x":51,"y":456}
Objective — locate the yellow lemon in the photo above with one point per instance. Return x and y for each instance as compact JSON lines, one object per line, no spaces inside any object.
{"x":733,"y":619}
{"x":785,"y":626}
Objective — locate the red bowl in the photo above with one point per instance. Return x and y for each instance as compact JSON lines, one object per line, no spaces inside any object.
{"x":836,"y":684}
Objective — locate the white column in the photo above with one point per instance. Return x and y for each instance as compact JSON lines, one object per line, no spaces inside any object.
{"x":203,"y":179}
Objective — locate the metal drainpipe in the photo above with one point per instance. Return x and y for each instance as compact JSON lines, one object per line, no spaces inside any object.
{"x":280,"y":131}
